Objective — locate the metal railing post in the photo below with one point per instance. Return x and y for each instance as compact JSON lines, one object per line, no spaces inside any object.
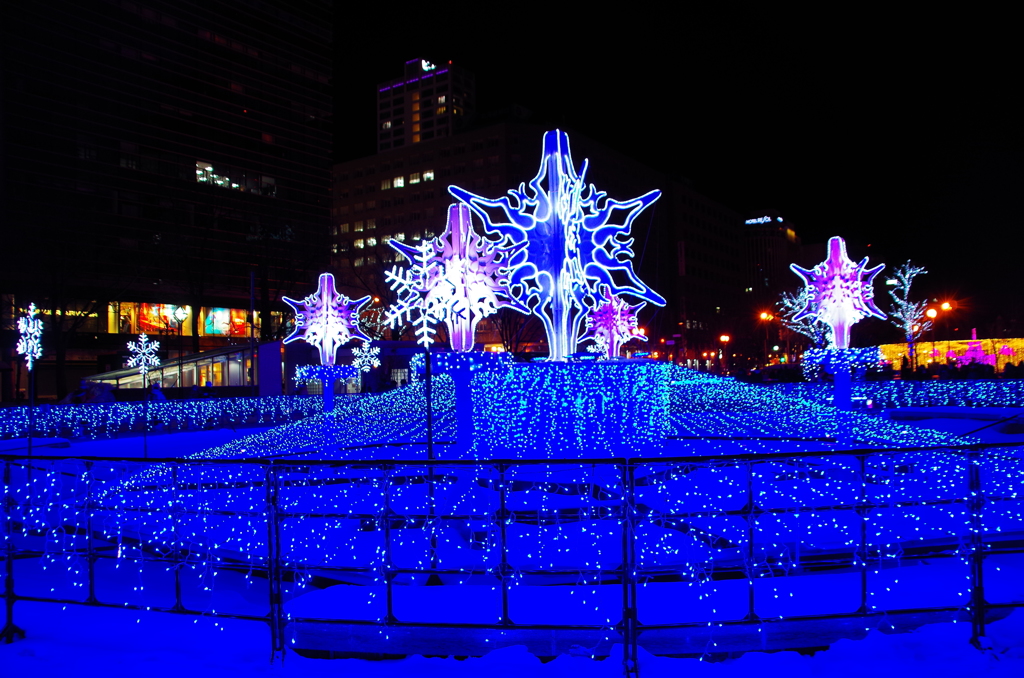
{"x":751,"y":520}
{"x":862,"y":541}
{"x":630,"y":666}
{"x":504,"y":569}
{"x":176,"y":510}
{"x":10,"y":628}
{"x":274,"y":567}
{"x":90,"y":552}
{"x":389,"y":594}
{"x":975,"y":504}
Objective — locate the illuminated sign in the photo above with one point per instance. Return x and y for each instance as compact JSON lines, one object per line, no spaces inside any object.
{"x":762,"y":220}
{"x":426,"y":65}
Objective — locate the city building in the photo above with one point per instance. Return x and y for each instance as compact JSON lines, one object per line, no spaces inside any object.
{"x":429,"y":102}
{"x":158,"y":156}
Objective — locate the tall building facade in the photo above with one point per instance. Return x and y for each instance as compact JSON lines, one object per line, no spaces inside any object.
{"x":429,"y":102}
{"x":156,"y":155}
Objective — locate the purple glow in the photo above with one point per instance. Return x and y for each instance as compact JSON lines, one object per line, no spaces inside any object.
{"x":841,"y":292}
{"x":612,"y":323}
{"x":327,"y":319}
{"x":458,"y":278}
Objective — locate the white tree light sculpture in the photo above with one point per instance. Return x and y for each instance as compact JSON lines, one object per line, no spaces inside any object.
{"x":30,"y":343}
{"x":144,"y":354}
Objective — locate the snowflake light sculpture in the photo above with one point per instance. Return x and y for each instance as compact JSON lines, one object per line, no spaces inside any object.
{"x":840,"y":292}
{"x":457,"y":278}
{"x":326,"y":319}
{"x":366,"y":357}
{"x":569,"y":243}
{"x":144,"y":354}
{"x":612,"y":323}
{"x":30,"y":342}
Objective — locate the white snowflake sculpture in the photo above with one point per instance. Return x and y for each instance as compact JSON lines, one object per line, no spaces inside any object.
{"x":366,"y":357}
{"x":326,"y":319}
{"x":144,"y":354}
{"x":30,"y":344}
{"x":457,"y":278}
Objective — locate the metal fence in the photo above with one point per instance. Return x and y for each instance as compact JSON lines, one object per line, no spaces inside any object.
{"x":706,"y":555}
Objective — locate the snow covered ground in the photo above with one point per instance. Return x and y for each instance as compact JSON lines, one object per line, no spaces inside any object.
{"x":112,"y":642}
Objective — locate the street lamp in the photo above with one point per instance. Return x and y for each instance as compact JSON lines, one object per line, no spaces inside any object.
{"x":725,"y":353}
{"x":180,"y":314}
{"x":766,"y":318}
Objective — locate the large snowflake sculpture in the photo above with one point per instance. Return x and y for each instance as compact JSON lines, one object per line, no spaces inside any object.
{"x":569,"y":244}
{"x":30,"y":341}
{"x":457,"y":278}
{"x":326,"y":319}
{"x":612,"y":323}
{"x":840,"y":292}
{"x":365,"y":357}
{"x":144,"y":354}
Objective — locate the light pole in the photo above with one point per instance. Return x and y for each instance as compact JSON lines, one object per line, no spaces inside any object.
{"x":766,"y":318}
{"x":180,"y":313}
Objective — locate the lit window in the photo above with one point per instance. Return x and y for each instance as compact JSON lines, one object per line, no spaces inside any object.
{"x":358,"y":261}
{"x":399,"y":182}
{"x":386,"y":125}
{"x":414,"y":178}
{"x":360,"y":244}
{"x":416,"y":235}
{"x":334,"y":230}
{"x":428,"y":234}
{"x":334,"y":248}
{"x":400,"y":237}
{"x":371,"y":242}
{"x":358,"y":227}
{"x":385,"y":184}
{"x":371,"y":224}
{"x":428,"y":175}
{"x":343,"y":228}
{"x":372,"y":259}
{"x":441,"y":110}
{"x":440,"y":99}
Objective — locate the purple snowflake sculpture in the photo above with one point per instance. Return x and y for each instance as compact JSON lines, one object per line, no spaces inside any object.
{"x":569,"y":243}
{"x":612,"y":323}
{"x":327,"y":319}
{"x":840,"y":291}
{"x":457,"y":278}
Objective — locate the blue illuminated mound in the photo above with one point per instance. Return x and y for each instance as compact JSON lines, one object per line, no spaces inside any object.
{"x":714,"y":407}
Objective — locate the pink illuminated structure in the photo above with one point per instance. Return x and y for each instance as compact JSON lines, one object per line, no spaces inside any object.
{"x":326,"y":319}
{"x":458,"y":278}
{"x":840,"y":292}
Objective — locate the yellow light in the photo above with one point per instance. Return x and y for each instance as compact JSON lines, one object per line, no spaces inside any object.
{"x":931,"y":313}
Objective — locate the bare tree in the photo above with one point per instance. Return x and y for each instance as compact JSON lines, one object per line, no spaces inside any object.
{"x":789,"y":305}
{"x":907,"y":315}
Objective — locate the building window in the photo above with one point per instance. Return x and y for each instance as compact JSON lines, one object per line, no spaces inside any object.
{"x":440,"y":99}
{"x":334,"y":248}
{"x":334,"y":230}
{"x":358,"y":227}
{"x":385,"y":184}
{"x":386,"y":125}
{"x":343,"y":228}
{"x":414,"y":178}
{"x":358,"y":261}
{"x":399,"y":182}
{"x":371,"y":242}
{"x":359,"y":244}
{"x":371,"y":259}
{"x":371,"y":224}
{"x":400,"y":237}
{"x":441,"y":110}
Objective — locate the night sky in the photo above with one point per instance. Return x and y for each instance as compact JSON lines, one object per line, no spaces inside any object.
{"x":899,"y":132}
